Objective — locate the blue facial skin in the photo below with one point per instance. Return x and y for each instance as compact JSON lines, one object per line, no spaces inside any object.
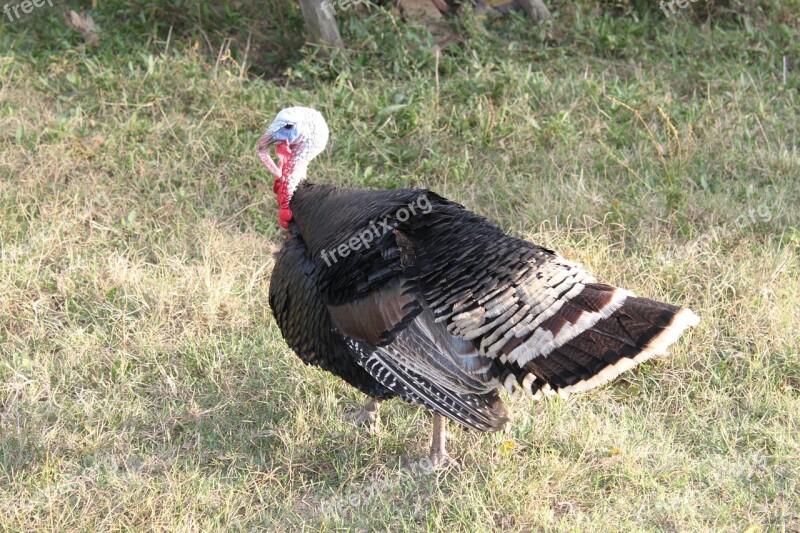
{"x":287,"y":132}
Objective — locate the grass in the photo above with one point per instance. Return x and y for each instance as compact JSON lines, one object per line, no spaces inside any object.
{"x":144,"y":384}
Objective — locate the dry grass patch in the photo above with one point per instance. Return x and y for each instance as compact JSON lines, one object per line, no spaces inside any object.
{"x":144,"y":385}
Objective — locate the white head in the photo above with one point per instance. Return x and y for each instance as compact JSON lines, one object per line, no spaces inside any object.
{"x":300,"y":134}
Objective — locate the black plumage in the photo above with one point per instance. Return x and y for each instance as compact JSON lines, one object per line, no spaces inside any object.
{"x":305,"y":323}
{"x":405,"y":293}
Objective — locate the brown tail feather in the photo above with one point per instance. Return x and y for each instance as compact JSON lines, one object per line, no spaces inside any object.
{"x":637,"y":331}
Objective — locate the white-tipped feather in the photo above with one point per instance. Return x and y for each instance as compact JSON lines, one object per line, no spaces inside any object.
{"x":543,"y":341}
{"x":683,"y":319}
{"x":527,"y":382}
{"x":509,"y":383}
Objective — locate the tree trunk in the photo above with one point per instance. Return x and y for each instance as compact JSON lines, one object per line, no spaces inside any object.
{"x":320,"y":22}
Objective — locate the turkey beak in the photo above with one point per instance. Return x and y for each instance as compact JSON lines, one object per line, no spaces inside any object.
{"x":262,"y":148}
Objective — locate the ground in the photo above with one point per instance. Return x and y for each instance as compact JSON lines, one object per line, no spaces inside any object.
{"x":144,"y":384}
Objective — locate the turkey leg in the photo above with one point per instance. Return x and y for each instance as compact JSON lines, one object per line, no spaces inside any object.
{"x":439,"y":457}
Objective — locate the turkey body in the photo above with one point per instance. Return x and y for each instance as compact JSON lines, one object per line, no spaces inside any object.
{"x":405,"y":293}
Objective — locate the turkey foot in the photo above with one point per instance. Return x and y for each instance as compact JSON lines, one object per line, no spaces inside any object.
{"x":440,"y":459}
{"x":367,"y":416}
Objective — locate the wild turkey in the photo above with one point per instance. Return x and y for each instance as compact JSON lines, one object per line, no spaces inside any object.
{"x":405,"y":293}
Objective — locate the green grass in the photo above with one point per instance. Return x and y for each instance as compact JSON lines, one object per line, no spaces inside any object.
{"x":144,"y":384}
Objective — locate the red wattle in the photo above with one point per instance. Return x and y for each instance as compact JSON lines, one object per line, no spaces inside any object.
{"x":281,"y":190}
{"x":284,"y":216}
{"x":281,"y":185}
{"x":284,"y":152}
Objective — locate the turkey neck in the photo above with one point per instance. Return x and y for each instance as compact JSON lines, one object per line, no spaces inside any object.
{"x":293,"y":172}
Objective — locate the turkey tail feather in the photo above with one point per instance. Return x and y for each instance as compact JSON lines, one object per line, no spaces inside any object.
{"x":633,"y":333}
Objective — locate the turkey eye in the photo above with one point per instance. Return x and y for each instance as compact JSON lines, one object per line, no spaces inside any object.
{"x":288,"y":126}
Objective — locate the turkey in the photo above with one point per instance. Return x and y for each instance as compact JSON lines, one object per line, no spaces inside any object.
{"x":403,"y":293}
